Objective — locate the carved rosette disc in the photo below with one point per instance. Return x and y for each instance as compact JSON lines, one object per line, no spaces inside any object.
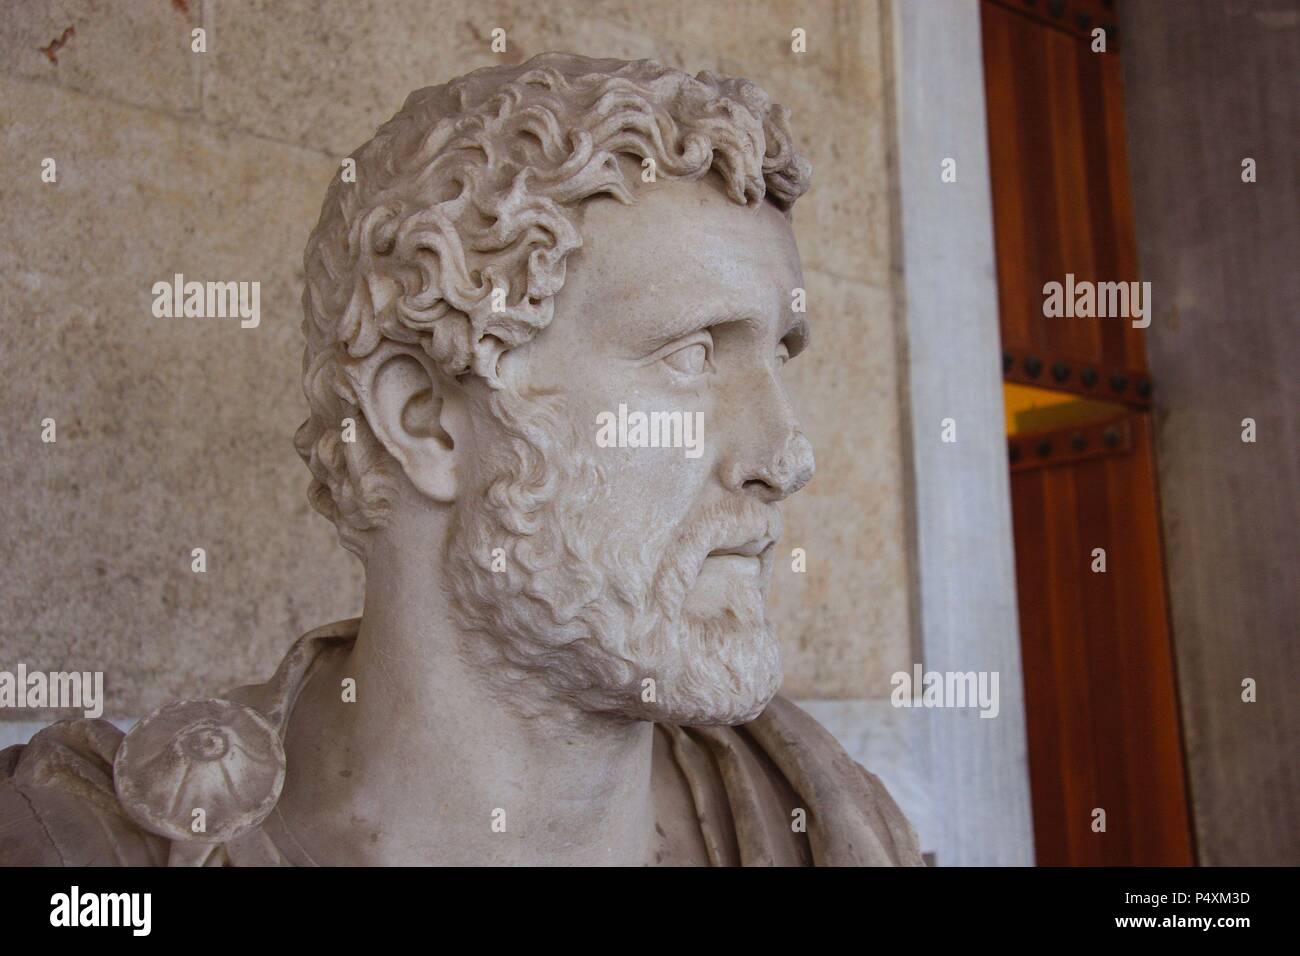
{"x":208,"y":755}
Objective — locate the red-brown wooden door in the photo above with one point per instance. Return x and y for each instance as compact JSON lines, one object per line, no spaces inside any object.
{"x":1100,"y":697}
{"x":1101,"y":702}
{"x":1061,"y":197}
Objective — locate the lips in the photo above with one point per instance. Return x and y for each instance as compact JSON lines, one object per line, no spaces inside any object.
{"x":748,"y":557}
{"x":748,"y":549}
{"x":730,"y":542}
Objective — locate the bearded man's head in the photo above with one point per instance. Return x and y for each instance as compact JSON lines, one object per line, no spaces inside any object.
{"x":521,"y":257}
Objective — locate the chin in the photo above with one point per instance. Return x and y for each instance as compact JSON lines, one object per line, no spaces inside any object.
{"x":724,"y":673}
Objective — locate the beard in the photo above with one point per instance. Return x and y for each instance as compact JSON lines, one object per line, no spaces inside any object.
{"x":553,"y":585}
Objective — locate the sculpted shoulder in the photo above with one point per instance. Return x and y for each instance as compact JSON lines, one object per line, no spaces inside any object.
{"x":189,"y":785}
{"x":58,"y":806}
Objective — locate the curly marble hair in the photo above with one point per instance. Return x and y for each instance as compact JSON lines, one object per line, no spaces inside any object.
{"x":472,"y":189}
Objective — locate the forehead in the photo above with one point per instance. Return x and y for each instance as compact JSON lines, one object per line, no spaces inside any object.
{"x":682,"y":248}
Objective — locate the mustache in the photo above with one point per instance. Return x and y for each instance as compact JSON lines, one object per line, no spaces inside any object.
{"x":725,"y":524}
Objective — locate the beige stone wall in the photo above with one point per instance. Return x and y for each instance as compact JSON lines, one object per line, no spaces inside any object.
{"x":177,"y":434}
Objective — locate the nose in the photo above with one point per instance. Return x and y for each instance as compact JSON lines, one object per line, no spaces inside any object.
{"x":785,"y":472}
{"x":775,"y":459}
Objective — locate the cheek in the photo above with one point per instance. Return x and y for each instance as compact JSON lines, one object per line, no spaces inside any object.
{"x":651,"y":489}
{"x":646,"y":488}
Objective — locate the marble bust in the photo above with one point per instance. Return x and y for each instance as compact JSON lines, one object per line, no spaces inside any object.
{"x":547,"y":309}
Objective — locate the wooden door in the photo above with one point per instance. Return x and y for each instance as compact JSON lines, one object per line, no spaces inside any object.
{"x":1101,"y":703}
{"x":1100,"y":698}
{"x":1061,"y":198}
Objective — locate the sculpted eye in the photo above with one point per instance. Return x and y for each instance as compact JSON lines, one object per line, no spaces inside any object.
{"x":690,"y":360}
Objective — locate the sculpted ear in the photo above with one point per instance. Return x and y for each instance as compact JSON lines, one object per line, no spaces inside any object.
{"x":409,"y":406}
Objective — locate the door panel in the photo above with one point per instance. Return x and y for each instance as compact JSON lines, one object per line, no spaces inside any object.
{"x":1061,"y":199}
{"x":1101,"y":705}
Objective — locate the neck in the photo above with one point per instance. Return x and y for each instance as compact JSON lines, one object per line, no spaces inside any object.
{"x":435,"y":768}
